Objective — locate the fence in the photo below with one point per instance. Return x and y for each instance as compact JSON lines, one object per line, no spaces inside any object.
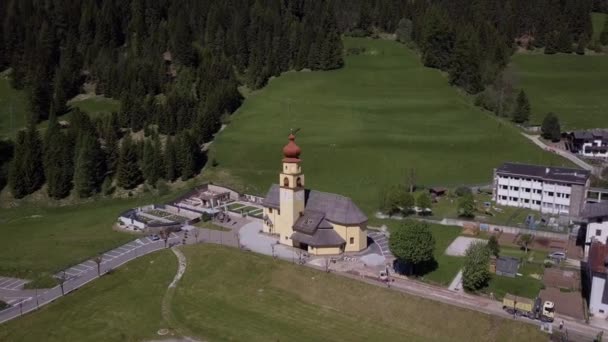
{"x":505,"y":229}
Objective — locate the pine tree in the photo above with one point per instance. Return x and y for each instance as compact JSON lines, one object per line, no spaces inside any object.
{"x":465,"y":70}
{"x":604,"y":33}
{"x":58,"y":161}
{"x":564,"y":41}
{"x":15,"y":176}
{"x":129,"y":174}
{"x":188,"y":153}
{"x":33,"y":170}
{"x":437,"y":38}
{"x":152,"y":162}
{"x":550,"y":127}
{"x":89,"y":168}
{"x":170,"y":157}
{"x":521,"y":113}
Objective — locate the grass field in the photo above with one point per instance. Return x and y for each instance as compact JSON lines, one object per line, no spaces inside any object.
{"x":571,"y":86}
{"x":269,"y":300}
{"x":598,"y":20}
{"x":366,"y":125}
{"x":123,"y":306}
{"x":251,"y":298}
{"x":13,"y":106}
{"x":39,"y":240}
{"x":447,"y":266}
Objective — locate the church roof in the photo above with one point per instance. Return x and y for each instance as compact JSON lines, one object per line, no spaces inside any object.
{"x":321,"y":238}
{"x":336,"y":208}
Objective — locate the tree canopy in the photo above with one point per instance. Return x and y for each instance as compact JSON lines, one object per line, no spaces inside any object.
{"x":412,"y":242}
{"x":476,"y":269}
{"x":551,"y":128}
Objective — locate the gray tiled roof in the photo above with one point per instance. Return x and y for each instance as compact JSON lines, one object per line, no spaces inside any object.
{"x":558,"y":174}
{"x":505,"y":264}
{"x":321,"y":238}
{"x":309,"y":221}
{"x":337,"y":208}
{"x":593,"y":210}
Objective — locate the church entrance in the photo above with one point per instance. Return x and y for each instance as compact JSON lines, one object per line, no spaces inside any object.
{"x":303,"y":246}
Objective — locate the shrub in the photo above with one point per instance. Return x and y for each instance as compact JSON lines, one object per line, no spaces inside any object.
{"x":3,"y":305}
{"x":462,"y":191}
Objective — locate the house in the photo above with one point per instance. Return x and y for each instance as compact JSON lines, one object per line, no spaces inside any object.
{"x":318,"y":222}
{"x":589,"y":143}
{"x":597,"y":275}
{"x":507,"y":266}
{"x":595,"y":222}
{"x":438,"y":191}
{"x":551,"y":190}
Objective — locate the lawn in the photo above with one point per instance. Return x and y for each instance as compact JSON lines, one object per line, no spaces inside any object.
{"x":96,"y":105}
{"x":38,"y":240}
{"x":365,"y":126}
{"x":598,"y":20}
{"x":123,"y":306}
{"x":447,"y":266}
{"x":525,"y":285}
{"x":13,"y":108}
{"x":256,"y":298}
{"x":571,"y":86}
{"x":210,"y":225}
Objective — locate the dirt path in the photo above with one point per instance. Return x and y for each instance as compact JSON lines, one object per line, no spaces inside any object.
{"x":175,"y":332}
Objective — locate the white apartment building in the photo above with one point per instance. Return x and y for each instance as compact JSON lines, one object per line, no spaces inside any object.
{"x":595,"y":222}
{"x":552,"y":190}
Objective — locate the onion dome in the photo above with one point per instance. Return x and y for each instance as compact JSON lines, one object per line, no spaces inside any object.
{"x":291,"y":151}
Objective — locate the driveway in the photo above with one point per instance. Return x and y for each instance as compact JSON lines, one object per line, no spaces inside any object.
{"x":566,"y":154}
{"x":252,"y":239}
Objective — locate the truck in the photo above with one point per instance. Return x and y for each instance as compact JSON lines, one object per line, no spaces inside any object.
{"x":534,"y":309}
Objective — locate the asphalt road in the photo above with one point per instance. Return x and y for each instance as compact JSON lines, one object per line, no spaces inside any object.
{"x":24,"y":301}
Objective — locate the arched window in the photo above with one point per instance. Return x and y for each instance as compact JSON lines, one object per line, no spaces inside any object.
{"x":286,"y":182}
{"x":298,"y":181}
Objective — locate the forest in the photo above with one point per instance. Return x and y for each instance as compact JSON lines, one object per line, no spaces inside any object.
{"x":179,"y":69}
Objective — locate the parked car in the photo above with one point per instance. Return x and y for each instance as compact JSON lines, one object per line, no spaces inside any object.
{"x":155,"y":237}
{"x":559,"y":256}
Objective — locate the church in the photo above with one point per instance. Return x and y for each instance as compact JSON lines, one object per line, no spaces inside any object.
{"x":318,"y":222}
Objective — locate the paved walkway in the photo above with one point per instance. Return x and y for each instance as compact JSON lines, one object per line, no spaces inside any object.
{"x":566,"y":154}
{"x":24,"y":301}
{"x":456,"y":284}
{"x":382,"y":241}
{"x":253,"y":240}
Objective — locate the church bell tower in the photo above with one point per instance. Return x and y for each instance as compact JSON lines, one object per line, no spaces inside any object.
{"x":292,"y":192}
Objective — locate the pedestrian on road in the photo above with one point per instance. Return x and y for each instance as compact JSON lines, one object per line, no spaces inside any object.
{"x":561,"y":325}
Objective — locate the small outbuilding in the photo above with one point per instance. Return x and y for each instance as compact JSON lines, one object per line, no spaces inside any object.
{"x":507,"y":266}
{"x":438,"y":191}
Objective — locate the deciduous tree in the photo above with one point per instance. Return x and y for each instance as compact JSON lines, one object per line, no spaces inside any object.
{"x":476,"y":270}
{"x":412,"y":242}
{"x":550,"y":128}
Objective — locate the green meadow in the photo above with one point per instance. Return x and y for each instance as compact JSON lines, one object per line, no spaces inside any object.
{"x":366,"y":126}
{"x":572,"y":86}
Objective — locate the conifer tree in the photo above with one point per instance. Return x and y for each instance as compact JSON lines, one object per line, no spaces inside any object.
{"x":604,"y":33}
{"x":521,"y":113}
{"x":465,"y":71}
{"x":550,"y":127}
{"x":58,"y":161}
{"x":15,"y":177}
{"x":170,"y":157}
{"x":189,"y":155}
{"x":129,"y":174}
{"x":437,"y":38}
{"x":33,"y":170}
{"x":89,"y":168}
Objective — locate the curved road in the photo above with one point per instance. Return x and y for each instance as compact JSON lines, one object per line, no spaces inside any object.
{"x":570,"y":156}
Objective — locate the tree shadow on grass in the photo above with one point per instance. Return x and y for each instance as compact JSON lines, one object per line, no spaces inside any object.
{"x":417,"y":270}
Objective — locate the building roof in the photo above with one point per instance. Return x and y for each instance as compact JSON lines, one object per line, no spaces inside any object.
{"x":598,"y":257}
{"x":595,"y":210}
{"x":309,"y":221}
{"x":337,"y":209}
{"x":321,"y":238}
{"x":559,"y":174}
{"x":506,"y":264}
{"x":590,"y":134}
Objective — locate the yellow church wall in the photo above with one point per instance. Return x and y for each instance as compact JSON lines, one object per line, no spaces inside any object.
{"x":324,"y":250}
{"x":273,"y":216}
{"x":357,"y":233}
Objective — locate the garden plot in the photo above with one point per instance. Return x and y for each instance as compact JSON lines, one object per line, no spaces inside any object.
{"x":158,"y":213}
